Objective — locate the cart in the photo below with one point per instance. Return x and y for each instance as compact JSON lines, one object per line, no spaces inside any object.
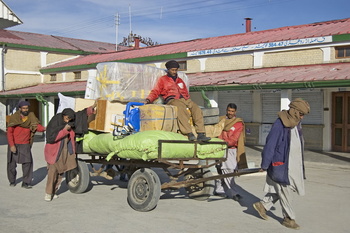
{"x":144,"y":187}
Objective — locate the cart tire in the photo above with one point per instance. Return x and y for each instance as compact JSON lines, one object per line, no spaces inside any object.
{"x":143,"y":190}
{"x":78,"y":179}
{"x":200,"y":191}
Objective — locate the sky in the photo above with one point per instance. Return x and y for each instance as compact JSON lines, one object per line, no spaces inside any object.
{"x":165,"y":21}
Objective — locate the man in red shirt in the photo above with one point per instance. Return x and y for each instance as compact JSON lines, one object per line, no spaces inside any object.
{"x":233,"y":135}
{"x":20,"y":132}
{"x":174,"y":92}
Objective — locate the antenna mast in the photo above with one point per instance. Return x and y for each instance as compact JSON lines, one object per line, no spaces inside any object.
{"x":117,"y":23}
{"x":130,"y":17}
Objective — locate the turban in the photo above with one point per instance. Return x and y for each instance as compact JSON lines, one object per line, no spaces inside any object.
{"x":69,"y":112}
{"x":23,"y":103}
{"x":300,"y":105}
{"x":172,"y":64}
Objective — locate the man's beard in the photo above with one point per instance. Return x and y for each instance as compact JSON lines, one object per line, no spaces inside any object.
{"x":25,"y":113}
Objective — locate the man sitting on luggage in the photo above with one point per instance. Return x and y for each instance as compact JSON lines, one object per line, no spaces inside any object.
{"x":174,"y":92}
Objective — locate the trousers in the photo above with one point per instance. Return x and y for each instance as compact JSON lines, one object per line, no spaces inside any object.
{"x":54,"y":179}
{"x":183,"y":116}
{"x":283,"y":194}
{"x":22,"y":156}
{"x":228,"y":185}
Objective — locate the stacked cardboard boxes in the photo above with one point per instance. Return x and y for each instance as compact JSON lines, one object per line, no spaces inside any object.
{"x":108,"y":114}
{"x":158,"y":117}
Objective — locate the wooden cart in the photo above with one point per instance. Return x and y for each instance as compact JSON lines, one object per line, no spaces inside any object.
{"x":144,"y":187}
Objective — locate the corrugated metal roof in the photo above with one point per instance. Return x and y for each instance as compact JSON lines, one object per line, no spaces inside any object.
{"x":297,"y":74}
{"x":46,"y":88}
{"x":55,"y":42}
{"x":329,"y":28}
{"x":307,"y":73}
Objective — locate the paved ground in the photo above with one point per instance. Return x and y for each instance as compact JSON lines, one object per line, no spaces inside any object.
{"x":103,"y":208}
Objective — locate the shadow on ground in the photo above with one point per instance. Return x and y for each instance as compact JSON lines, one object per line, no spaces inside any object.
{"x":334,"y":155}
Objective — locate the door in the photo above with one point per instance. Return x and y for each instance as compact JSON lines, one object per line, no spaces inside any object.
{"x":341,"y":121}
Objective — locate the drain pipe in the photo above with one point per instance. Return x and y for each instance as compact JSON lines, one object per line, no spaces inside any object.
{"x":207,"y":103}
{"x":3,"y":51}
{"x":44,"y":102}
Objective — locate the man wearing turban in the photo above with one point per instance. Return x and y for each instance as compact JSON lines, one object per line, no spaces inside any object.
{"x":20,"y":132}
{"x":282,"y":158}
{"x":174,"y":92}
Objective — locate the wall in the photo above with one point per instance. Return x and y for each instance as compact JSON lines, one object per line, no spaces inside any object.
{"x":252,"y":131}
{"x":52,"y":57}
{"x":313,"y":135}
{"x":2,"y":116}
{"x":293,"y":58}
{"x":238,"y":61}
{"x":333,"y":59}
{"x":66,"y":77}
{"x":197,"y":98}
{"x":232,"y":62}
{"x":15,"y":81}
{"x":22,"y":60}
{"x":193,"y":66}
{"x":69,"y":77}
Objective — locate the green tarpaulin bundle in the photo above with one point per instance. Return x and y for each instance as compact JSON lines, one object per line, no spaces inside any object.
{"x":104,"y":143}
{"x":86,"y":141}
{"x":144,"y":145}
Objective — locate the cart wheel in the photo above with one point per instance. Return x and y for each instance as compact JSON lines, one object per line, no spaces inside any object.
{"x":143,"y":190}
{"x":78,"y":179}
{"x":200,"y":191}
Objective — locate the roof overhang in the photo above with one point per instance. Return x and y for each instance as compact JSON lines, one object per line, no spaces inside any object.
{"x":7,"y":17}
{"x":47,"y":89}
{"x":310,"y":76}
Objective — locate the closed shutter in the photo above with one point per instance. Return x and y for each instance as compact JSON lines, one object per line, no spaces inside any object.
{"x":271,"y":105}
{"x":243,"y":100}
{"x":315,"y":99}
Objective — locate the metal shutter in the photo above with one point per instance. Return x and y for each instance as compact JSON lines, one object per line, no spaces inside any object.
{"x":243,"y":100}
{"x":271,"y":105}
{"x":315,"y":99}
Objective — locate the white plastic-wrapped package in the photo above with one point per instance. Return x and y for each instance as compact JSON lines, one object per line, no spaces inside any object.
{"x":126,"y":82}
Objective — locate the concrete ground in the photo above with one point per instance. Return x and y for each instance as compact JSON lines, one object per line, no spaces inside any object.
{"x":104,"y":208}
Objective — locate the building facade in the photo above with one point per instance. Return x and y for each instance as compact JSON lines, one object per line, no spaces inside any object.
{"x":259,"y":71}
{"x":24,"y":54}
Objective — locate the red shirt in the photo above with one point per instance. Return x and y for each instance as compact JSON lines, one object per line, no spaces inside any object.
{"x":168,"y":88}
{"x":51,"y":150}
{"x":232,"y":136}
{"x":20,"y":135}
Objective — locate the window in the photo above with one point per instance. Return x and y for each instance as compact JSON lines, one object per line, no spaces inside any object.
{"x":77,"y":75}
{"x":342,"y":52}
{"x":53,"y":77}
{"x":183,"y":65}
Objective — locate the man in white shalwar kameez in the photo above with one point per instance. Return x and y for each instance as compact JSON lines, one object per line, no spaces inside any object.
{"x":282,"y":158}
{"x":233,"y":134}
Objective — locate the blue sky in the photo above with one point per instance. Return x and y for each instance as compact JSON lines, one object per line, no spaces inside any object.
{"x":166,"y":21}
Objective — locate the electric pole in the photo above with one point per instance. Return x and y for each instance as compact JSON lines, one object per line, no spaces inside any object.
{"x":117,"y":23}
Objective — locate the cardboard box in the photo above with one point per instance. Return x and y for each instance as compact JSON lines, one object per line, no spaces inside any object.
{"x":81,"y":103}
{"x":108,"y":115}
{"x":158,"y":117}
